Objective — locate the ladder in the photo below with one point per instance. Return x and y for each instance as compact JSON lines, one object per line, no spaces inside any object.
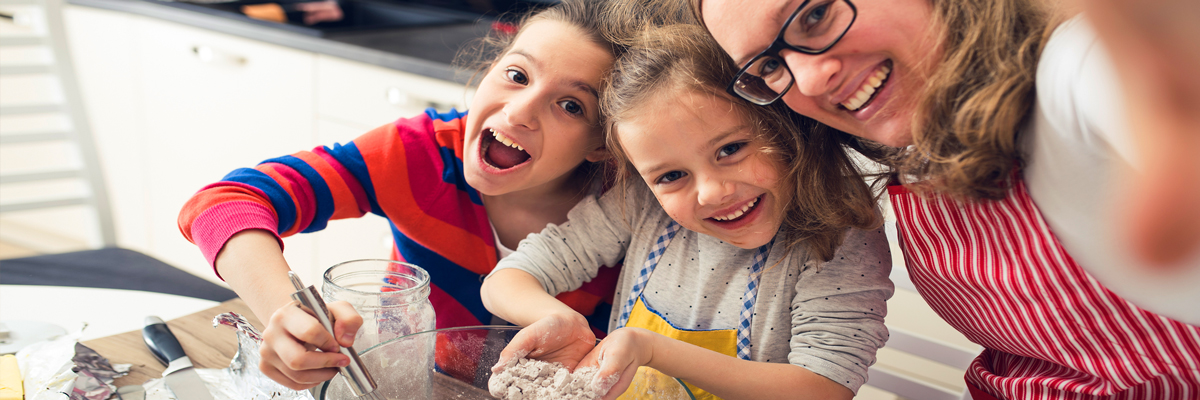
{"x":38,"y":26}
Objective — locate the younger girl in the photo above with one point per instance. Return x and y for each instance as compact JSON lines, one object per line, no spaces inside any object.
{"x":457,"y":190}
{"x":743,"y":282}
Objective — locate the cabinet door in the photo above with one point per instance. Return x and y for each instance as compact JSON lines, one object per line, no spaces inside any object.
{"x":366,"y":96}
{"x":104,"y":51}
{"x":213,"y":103}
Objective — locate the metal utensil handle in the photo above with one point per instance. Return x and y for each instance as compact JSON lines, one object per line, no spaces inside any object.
{"x":356,"y":375}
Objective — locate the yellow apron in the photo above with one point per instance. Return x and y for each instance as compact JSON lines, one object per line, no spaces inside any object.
{"x":656,"y":385}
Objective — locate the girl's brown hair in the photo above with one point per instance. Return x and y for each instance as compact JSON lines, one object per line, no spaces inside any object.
{"x":829,"y":195}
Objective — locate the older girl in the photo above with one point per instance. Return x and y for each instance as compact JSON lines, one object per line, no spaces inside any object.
{"x":1008,"y":131}
{"x":754,"y":280}
{"x":457,"y":189}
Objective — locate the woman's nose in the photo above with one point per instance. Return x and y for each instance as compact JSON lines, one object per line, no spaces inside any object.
{"x":813,"y":73}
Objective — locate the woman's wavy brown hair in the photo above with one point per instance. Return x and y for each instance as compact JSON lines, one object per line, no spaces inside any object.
{"x":829,"y":195}
{"x":976,"y":99}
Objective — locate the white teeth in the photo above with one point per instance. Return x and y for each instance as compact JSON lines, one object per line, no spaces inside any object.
{"x":504,"y":139}
{"x":739,"y":212}
{"x":868,"y":88}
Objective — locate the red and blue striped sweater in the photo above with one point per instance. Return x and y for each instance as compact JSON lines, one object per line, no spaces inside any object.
{"x":411,"y":173}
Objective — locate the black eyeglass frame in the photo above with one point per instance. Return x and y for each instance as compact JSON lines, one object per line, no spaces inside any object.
{"x":780,"y":44}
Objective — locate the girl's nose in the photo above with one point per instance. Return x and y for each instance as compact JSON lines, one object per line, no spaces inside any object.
{"x":521,"y":110}
{"x":813,"y":73}
{"x":714,"y":191}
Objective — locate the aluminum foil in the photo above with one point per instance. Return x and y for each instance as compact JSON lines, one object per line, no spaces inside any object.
{"x":64,"y":368}
{"x":243,"y":373}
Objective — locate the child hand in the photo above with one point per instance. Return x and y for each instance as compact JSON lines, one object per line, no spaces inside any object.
{"x":618,"y":358}
{"x":561,"y":338}
{"x":292,"y":337}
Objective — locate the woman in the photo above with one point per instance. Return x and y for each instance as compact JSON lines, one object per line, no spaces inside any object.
{"x":1003,"y":123}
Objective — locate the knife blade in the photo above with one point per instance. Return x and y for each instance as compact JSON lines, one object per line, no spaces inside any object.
{"x":180,"y":376}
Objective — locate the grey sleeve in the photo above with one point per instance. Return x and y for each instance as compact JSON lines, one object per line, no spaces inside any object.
{"x":563,"y":257}
{"x":837,"y":314}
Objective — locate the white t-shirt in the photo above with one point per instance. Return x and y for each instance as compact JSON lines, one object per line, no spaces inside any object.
{"x":1076,"y":147}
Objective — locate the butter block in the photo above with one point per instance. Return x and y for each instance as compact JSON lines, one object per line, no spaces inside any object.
{"x":10,"y":379}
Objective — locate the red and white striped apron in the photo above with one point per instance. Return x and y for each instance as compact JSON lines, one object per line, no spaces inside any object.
{"x":995,"y":271}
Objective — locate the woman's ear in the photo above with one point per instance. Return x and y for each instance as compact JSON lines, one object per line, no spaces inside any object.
{"x":599,"y":154}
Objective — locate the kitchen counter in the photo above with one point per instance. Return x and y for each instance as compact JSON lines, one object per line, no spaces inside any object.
{"x":426,"y":51}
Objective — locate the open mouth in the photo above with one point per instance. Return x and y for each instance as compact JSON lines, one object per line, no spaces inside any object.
{"x":739,"y":214}
{"x":870,"y":88}
{"x":500,"y":151}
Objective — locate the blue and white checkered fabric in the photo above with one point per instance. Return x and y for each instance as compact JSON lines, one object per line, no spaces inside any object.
{"x":656,"y":252}
{"x":748,"y":301}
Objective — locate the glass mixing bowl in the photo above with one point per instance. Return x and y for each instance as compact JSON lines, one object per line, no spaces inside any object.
{"x":455,"y":363}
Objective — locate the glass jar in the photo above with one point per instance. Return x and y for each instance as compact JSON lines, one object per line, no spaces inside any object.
{"x":391,"y":296}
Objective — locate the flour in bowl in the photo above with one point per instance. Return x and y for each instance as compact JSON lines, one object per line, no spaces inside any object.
{"x":525,"y":379}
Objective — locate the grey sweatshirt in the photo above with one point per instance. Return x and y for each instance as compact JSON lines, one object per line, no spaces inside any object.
{"x":826,"y":317}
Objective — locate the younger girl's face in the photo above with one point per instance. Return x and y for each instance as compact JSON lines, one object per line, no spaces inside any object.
{"x":704,"y":162}
{"x":889,"y":48}
{"x":534,"y":117}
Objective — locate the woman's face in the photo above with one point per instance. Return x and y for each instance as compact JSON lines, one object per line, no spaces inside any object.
{"x":885,"y":57}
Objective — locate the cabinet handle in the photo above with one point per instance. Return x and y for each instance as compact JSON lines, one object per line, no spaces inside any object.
{"x":207,"y":54}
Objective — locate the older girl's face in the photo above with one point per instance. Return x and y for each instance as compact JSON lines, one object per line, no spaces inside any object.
{"x":886,"y":56}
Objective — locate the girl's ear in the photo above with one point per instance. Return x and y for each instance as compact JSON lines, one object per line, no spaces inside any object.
{"x":598,"y":154}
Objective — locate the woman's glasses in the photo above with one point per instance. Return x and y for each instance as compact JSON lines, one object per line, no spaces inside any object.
{"x":815,"y":27}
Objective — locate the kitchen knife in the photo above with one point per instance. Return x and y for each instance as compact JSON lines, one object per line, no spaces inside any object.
{"x":180,"y":376}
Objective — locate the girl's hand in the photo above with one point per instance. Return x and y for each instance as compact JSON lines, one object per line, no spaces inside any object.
{"x":292,"y":338}
{"x":560,"y":337}
{"x":618,"y":357}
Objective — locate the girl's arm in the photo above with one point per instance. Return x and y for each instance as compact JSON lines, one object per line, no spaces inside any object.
{"x":554,"y":331}
{"x":521,"y":288}
{"x":726,"y":377}
{"x":238,"y":222}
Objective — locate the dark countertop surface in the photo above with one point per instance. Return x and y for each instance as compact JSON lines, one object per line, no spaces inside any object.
{"x":426,"y":51}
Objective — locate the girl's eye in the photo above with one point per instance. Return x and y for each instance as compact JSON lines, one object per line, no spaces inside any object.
{"x":571,"y":106}
{"x":671,"y":177}
{"x":729,"y":149}
{"x":516,"y":76}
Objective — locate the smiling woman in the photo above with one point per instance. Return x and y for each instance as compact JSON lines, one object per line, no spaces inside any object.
{"x":1005,"y":118}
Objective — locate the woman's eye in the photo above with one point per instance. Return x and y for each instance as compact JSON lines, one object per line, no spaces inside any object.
{"x":816,"y":15}
{"x":769,"y":66}
{"x":516,"y":76}
{"x":571,"y":106}
{"x":729,"y":149}
{"x":671,"y":177}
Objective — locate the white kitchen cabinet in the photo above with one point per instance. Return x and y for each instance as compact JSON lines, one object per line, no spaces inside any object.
{"x":213,"y":103}
{"x":175,"y":108}
{"x":103,"y":48}
{"x":366,"y":96}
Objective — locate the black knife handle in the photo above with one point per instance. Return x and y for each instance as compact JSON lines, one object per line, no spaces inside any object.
{"x":161,"y":341}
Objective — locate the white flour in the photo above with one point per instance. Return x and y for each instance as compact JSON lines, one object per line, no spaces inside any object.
{"x":525,"y":379}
